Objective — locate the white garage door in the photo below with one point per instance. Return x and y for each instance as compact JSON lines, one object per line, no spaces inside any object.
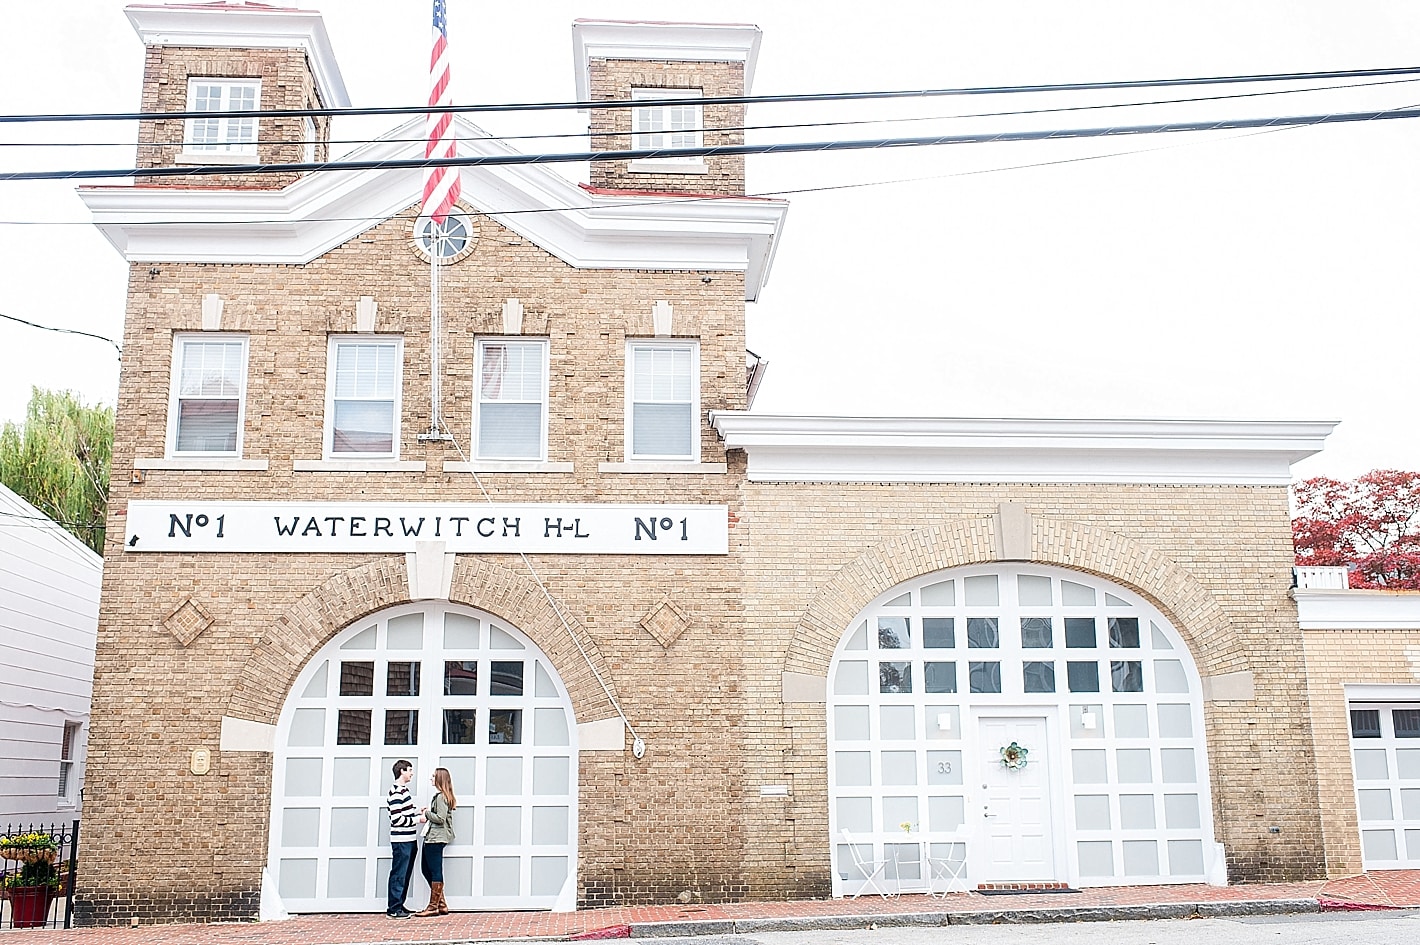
{"x":1385,"y":749}
{"x":441,"y":686}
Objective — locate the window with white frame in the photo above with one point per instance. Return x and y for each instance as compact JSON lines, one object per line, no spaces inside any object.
{"x":223,"y":135}
{"x":510,"y":418}
{"x":663,"y":400}
{"x":68,"y":754}
{"x":208,"y":403}
{"x":363,"y":397}
{"x":308,"y":142}
{"x":656,"y":126}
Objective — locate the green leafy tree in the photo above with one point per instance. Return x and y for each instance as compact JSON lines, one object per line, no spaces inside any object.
{"x":58,"y":461}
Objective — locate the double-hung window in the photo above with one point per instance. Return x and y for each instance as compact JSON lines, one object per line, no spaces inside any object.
{"x":510,"y":418}
{"x":663,"y":400}
{"x":68,"y":755}
{"x":222,"y":135}
{"x":208,"y":403}
{"x":363,"y":398}
{"x":655,"y":126}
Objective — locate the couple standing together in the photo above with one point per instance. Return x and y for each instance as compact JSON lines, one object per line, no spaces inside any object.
{"x":405,"y":820}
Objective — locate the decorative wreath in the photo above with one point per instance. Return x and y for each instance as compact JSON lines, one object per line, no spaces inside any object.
{"x":1013,"y":756}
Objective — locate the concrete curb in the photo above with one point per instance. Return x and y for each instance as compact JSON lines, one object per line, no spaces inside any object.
{"x":1165,"y":910}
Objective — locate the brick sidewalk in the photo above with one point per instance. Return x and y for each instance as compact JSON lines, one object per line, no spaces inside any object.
{"x":1391,"y":889}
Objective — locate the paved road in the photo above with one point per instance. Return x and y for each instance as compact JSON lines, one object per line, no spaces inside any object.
{"x":1331,"y":928}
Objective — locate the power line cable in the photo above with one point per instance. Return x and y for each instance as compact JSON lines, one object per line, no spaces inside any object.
{"x":725,"y":99}
{"x":792,"y":147}
{"x":66,"y":331}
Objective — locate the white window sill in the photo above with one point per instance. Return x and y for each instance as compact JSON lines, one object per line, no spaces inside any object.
{"x":668,"y":166}
{"x":216,"y":157}
{"x":506,"y":466}
{"x":232,"y":463}
{"x":662,"y":468}
{"x":358,"y":465}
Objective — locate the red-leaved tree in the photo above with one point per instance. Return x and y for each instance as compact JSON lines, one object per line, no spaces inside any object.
{"x":1370,"y":525}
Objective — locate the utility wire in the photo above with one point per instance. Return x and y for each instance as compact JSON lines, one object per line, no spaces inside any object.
{"x":67,"y":331}
{"x":726,"y":99}
{"x":504,"y":160}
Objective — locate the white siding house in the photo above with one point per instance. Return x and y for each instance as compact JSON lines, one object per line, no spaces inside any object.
{"x":49,"y":614}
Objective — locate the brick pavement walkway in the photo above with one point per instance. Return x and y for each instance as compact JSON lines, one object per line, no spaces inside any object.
{"x":1389,"y":889}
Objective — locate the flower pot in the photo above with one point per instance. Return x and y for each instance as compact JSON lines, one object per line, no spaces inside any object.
{"x":29,"y":854}
{"x":29,"y":905}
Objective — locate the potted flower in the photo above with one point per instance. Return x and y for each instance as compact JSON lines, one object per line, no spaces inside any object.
{"x":33,"y":887}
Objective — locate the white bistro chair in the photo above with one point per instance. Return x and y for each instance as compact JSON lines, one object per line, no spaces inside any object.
{"x":949,"y":870}
{"x":873,"y":871}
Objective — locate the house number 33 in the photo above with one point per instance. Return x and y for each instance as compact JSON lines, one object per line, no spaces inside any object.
{"x":944,"y":767}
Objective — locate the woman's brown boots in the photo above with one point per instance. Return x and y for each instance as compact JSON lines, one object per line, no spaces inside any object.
{"x":437,"y":905}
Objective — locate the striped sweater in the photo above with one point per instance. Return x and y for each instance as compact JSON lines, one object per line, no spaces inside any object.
{"x":404,"y":825}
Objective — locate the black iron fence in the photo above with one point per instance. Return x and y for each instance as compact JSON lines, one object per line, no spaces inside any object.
{"x":38,"y":867}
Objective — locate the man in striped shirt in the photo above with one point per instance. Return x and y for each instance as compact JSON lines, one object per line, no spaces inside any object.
{"x":405,"y":819}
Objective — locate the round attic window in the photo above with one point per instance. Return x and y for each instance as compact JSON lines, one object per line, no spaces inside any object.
{"x":448,"y":241}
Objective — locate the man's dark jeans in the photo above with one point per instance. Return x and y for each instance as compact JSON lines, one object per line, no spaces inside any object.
{"x":401,"y":869}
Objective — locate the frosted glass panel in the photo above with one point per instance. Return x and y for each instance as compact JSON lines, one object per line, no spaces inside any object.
{"x":1407,"y":763}
{"x":349,"y":826}
{"x":852,"y":678}
{"x":549,"y":825}
{"x":307,"y":728}
{"x":500,"y":875}
{"x":463,"y":822}
{"x":945,"y":813}
{"x":406,"y":632}
{"x":1412,"y":844}
{"x":1178,"y":765}
{"x":1092,"y":811}
{"x":901,"y":600}
{"x":1111,"y":601}
{"x":1371,"y":764}
{"x":1375,"y":805}
{"x":943,"y":722}
{"x":859,"y":639}
{"x":303,"y":777}
{"x":550,"y":727}
{"x":505,"y":775}
{"x":1087,"y":721}
{"x":1077,"y":595}
{"x":345,"y":879}
{"x":550,"y":776}
{"x":500,"y":639}
{"x":544,"y":687}
{"x":944,"y":767}
{"x":461,"y":771}
{"x":350,"y":777}
{"x":502,"y":826}
{"x":1034,"y":590}
{"x":1169,"y":676}
{"x":855,"y":814}
{"x":1096,"y":857}
{"x":850,"y":723}
{"x":548,"y":875}
{"x":300,"y":827}
{"x":898,"y":811}
{"x":1185,"y":857}
{"x":1175,"y":720}
{"x":1378,"y":844}
{"x":1089,"y":767}
{"x":1131,"y":721}
{"x":1134,"y":766}
{"x":942,"y":594}
{"x":982,"y":591}
{"x":1141,"y":858}
{"x":1181,"y":811}
{"x":460,"y":632}
{"x":1410,"y":803}
{"x":1136,"y":811}
{"x":364,"y":640}
{"x":1160,"y":641}
{"x":899,"y":767}
{"x":298,"y":879}
{"x":898,"y":722}
{"x":315,"y":689}
{"x":853,"y":768}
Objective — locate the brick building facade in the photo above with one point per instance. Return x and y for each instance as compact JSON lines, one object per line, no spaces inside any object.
{"x":668,"y":647}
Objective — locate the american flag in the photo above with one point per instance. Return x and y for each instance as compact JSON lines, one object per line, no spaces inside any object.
{"x":441,"y":184}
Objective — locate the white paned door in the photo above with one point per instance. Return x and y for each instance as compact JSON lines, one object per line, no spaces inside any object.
{"x":1385,"y":753}
{"x":1016,"y":831}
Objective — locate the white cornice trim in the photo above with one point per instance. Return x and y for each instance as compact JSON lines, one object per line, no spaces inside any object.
{"x":225,"y":26}
{"x":1357,"y":610}
{"x":315,"y":214}
{"x":935,"y":449}
{"x":677,"y":42}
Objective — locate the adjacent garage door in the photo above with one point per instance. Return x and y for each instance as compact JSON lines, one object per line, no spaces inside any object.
{"x":1385,"y":750}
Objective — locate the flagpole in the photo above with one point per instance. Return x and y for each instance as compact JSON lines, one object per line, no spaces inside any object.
{"x":441,"y":194}
{"x":436,"y":420}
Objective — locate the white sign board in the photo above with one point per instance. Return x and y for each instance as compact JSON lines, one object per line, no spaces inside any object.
{"x":394,"y":527}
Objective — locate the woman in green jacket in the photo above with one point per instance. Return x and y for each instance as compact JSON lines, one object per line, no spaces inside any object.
{"x":440,"y":817}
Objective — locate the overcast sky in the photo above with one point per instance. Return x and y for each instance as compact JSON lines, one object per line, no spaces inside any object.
{"x":1221,"y":275}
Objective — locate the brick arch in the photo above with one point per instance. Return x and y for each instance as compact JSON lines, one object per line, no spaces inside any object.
{"x":289,"y":643}
{"x":1189,"y":606}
